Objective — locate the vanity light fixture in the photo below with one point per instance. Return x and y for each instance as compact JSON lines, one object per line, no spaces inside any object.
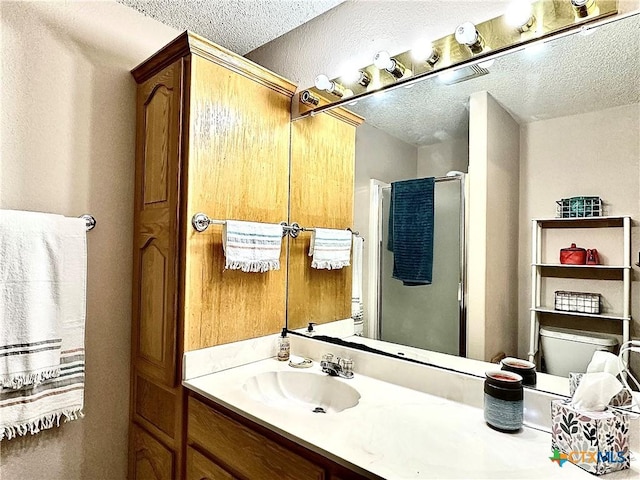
{"x":360,"y":77}
{"x":425,"y":52}
{"x":519,"y":14}
{"x":383,"y":61}
{"x":584,"y":8}
{"x":309,"y":98}
{"x":322,"y":82}
{"x":467,"y":34}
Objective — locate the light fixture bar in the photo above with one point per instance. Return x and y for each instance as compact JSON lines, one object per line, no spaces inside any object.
{"x":564,"y":24}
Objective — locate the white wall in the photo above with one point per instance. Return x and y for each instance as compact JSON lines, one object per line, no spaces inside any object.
{"x":68,"y":134}
{"x":595,"y":153}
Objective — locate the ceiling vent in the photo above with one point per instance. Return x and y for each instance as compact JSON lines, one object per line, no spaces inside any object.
{"x":464,"y":74}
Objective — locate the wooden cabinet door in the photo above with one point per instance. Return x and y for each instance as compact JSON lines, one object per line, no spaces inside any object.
{"x":200,"y":467}
{"x":251,"y":455}
{"x":151,"y":460}
{"x":155,"y":235}
{"x":321,"y":195}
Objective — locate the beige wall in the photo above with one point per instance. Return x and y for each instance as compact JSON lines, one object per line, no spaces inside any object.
{"x":381,"y":157}
{"x":67,"y":131}
{"x":595,"y":153}
{"x":438,"y":159}
{"x":492,"y":275}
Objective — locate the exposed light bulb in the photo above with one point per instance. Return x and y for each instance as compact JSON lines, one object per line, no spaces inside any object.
{"x":383,"y":61}
{"x":519,"y":14}
{"x":322,"y":82}
{"x":421,"y":50}
{"x":361,"y":77}
{"x":467,"y":34}
{"x":486,"y":63}
{"x":351,"y":76}
{"x":424,"y":51}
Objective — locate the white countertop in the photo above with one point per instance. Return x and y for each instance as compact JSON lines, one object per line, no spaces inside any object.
{"x":397,"y":433}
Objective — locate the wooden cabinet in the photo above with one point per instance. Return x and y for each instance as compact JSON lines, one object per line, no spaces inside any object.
{"x":214,"y":135}
{"x":234,"y":444}
{"x":200,"y":467}
{"x":151,"y":460}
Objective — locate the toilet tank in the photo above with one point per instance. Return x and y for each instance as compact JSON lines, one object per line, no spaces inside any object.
{"x":567,"y":351}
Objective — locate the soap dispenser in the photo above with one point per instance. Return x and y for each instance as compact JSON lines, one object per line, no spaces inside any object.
{"x":284,"y":346}
{"x":310,"y":331}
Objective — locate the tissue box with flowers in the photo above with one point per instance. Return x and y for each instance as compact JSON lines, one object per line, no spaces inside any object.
{"x":597,"y":442}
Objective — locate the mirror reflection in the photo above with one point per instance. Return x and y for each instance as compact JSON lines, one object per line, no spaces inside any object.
{"x":504,"y":142}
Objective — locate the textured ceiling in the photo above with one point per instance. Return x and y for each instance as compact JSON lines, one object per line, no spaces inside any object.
{"x":239,"y":25}
{"x":571,"y":75}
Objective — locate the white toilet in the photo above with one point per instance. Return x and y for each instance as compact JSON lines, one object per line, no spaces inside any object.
{"x":567,"y":351}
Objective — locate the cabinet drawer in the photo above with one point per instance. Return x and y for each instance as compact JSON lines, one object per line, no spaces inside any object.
{"x":247,"y":453}
{"x":200,"y":467}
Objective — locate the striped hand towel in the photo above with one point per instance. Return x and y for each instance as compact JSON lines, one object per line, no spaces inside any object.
{"x":330,"y":248}
{"x":34,"y":407}
{"x":252,"y":246}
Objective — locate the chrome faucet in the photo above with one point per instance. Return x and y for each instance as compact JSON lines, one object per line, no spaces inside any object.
{"x":341,"y":367}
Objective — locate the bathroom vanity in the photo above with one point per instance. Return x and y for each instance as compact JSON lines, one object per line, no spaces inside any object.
{"x":397,"y":429}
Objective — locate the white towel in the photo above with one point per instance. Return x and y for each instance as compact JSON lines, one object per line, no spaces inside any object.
{"x":37,"y":291}
{"x":357,"y":309}
{"x":53,"y":285}
{"x":252,"y":246}
{"x":330,"y":248}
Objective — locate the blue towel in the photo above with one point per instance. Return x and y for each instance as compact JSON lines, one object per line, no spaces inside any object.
{"x":411,"y":219}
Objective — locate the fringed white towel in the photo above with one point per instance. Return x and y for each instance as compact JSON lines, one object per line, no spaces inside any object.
{"x":330,"y":248}
{"x":37,"y":291}
{"x":36,"y":407}
{"x":252,"y":246}
{"x":357,"y":309}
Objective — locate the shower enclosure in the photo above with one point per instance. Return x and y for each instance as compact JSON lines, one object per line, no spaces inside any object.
{"x":430,"y":317}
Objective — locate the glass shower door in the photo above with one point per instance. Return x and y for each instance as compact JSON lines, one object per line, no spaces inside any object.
{"x":427,"y":316}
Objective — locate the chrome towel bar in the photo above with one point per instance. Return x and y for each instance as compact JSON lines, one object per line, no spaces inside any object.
{"x":201,"y":221}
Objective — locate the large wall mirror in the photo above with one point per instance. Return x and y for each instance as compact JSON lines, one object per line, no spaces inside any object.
{"x":574,"y":102}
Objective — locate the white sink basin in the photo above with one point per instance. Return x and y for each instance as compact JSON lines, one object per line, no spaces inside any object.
{"x":302,"y":390}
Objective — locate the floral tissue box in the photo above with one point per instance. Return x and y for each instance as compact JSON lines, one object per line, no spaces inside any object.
{"x":597,"y":442}
{"x":622,"y":399}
